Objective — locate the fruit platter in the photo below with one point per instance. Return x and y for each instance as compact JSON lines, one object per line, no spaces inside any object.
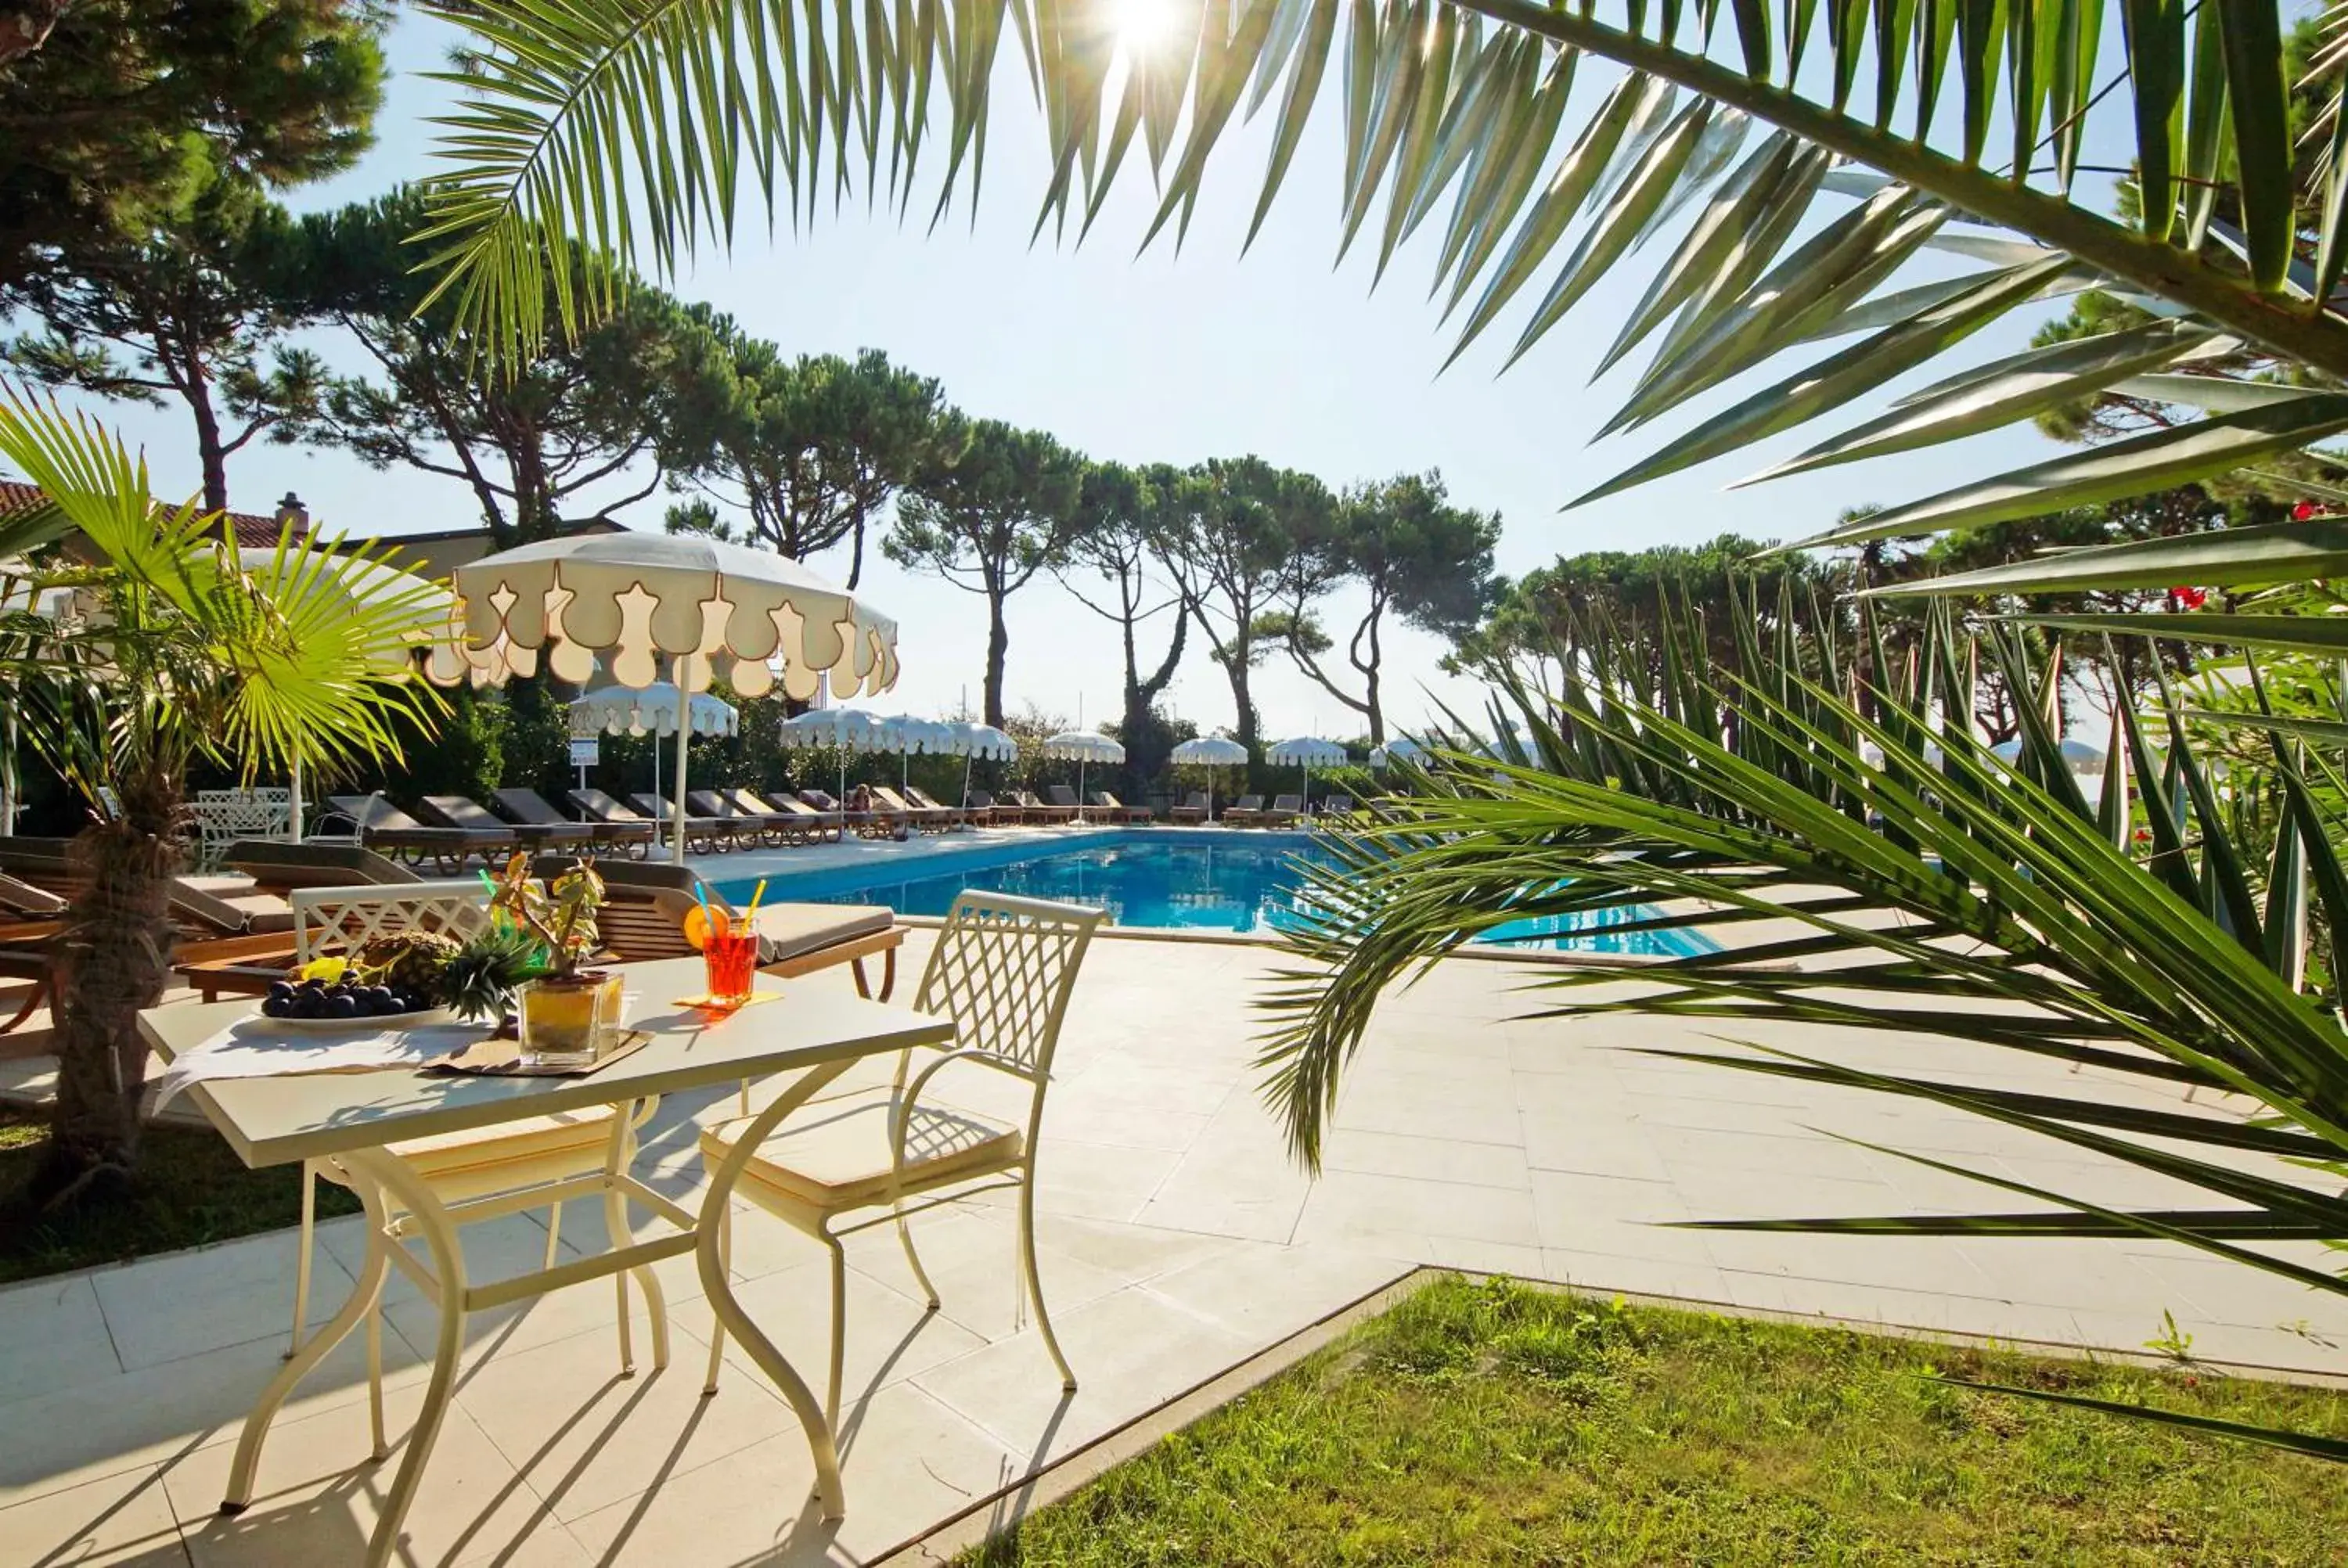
{"x":391,"y":982}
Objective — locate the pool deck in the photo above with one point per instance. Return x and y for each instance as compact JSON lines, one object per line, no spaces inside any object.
{"x":1178,"y":1238}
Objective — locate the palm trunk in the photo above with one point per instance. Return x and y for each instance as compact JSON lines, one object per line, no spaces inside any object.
{"x":114,"y":960}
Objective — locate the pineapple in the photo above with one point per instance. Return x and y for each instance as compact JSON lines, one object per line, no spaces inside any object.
{"x":479,"y":977}
{"x":408,"y":960}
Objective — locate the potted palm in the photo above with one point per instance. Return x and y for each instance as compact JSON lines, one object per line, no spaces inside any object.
{"x":569,"y":1013}
{"x":169,"y":651}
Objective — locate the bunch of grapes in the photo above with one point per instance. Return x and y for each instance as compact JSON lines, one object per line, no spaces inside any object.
{"x":341,"y":999}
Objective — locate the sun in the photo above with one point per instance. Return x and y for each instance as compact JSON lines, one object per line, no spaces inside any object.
{"x":1146,"y":27}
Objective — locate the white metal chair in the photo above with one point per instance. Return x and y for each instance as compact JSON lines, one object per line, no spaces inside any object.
{"x":1003,"y":968}
{"x":483,"y":1172}
{"x":224,"y":816}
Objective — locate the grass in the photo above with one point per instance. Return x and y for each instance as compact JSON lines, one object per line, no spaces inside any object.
{"x":191,"y":1189}
{"x":1491,"y":1423}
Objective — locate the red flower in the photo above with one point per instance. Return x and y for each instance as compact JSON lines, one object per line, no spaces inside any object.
{"x":2303,"y":511}
{"x":2187,"y":597}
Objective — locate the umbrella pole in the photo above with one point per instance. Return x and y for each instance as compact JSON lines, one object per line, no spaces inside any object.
{"x":677,"y":810}
{"x":292,"y":822}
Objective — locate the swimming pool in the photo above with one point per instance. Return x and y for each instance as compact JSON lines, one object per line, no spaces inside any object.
{"x":1164,"y":878}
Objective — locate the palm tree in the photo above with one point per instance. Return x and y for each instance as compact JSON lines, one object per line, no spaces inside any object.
{"x":144,"y":648}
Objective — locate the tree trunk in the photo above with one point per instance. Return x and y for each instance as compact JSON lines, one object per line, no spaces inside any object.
{"x":114,"y":960}
{"x":1377,"y":712}
{"x":998,"y":644}
{"x":208,"y":447}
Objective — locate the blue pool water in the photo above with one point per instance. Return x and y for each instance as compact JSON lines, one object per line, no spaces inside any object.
{"x":1162,"y":879}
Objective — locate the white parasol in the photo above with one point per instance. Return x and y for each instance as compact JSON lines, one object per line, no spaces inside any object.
{"x":1304,"y":750}
{"x":1083,"y":748}
{"x":845,"y":730}
{"x":1401,"y":749}
{"x":689,"y":607}
{"x":1211,"y":752}
{"x":623,"y":710}
{"x":970,"y":740}
{"x":908,"y":735}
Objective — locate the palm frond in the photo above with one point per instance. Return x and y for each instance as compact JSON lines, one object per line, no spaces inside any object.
{"x":617,"y":134}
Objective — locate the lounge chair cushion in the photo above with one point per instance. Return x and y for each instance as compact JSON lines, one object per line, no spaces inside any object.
{"x":835,"y":1155}
{"x":788,"y":931}
{"x":444,"y":1154}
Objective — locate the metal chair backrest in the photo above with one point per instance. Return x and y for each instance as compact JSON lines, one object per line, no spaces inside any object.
{"x":345,"y":918}
{"x":1003,"y":969}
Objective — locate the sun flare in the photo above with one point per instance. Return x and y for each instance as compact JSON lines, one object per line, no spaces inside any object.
{"x":1146,"y":27}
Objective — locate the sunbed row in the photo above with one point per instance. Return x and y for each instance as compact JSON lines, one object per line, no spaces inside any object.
{"x":1249,"y":810}
{"x":461,"y":830}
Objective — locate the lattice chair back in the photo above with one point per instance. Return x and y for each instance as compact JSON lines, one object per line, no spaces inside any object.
{"x":1003,"y":969}
{"x":335,"y":918}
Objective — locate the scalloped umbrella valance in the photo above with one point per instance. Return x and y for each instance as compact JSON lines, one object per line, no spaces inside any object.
{"x":1401,"y":749}
{"x":985,"y":741}
{"x":704,"y":608}
{"x":622,"y":709}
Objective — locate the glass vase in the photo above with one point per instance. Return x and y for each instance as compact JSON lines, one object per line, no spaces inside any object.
{"x":569,"y":1020}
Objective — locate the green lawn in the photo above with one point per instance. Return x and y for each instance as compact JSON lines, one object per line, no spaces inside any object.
{"x":1490,"y":1423}
{"x":191,"y":1189}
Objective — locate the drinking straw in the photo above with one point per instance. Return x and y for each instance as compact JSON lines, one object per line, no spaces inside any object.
{"x":756,"y":894}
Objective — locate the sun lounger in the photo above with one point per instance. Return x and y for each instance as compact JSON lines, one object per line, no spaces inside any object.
{"x":1194,"y":808}
{"x":527,"y":809}
{"x":457,"y":811}
{"x":29,"y":916}
{"x":955,"y":816}
{"x":645,"y":905}
{"x":377,"y":825}
{"x":1245,"y":812}
{"x":984,"y":812}
{"x":702,"y":833}
{"x":278,"y":867}
{"x":818,"y":824}
{"x":750,"y":826}
{"x":216,"y":920}
{"x":1060,"y":798}
{"x":1334,"y":805}
{"x":1115,"y":810}
{"x":1034,"y":810}
{"x":1285,"y":810}
{"x":928,"y":818}
{"x":865,"y":824}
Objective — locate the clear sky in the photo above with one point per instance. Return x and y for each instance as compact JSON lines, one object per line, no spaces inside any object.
{"x":1172,"y":358}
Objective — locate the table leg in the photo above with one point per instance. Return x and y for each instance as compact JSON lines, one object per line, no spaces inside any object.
{"x":385,"y":1172}
{"x":312,"y":1351}
{"x":709,"y":1249}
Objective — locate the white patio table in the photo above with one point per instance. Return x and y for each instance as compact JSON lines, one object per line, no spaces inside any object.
{"x":351,"y":1117}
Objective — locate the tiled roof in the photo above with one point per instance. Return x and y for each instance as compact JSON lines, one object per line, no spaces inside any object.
{"x":253,"y":529}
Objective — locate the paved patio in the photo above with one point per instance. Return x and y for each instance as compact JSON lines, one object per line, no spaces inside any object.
{"x":1178,"y":1240}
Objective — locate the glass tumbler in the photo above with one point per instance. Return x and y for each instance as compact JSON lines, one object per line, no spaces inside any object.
{"x":732,"y":958}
